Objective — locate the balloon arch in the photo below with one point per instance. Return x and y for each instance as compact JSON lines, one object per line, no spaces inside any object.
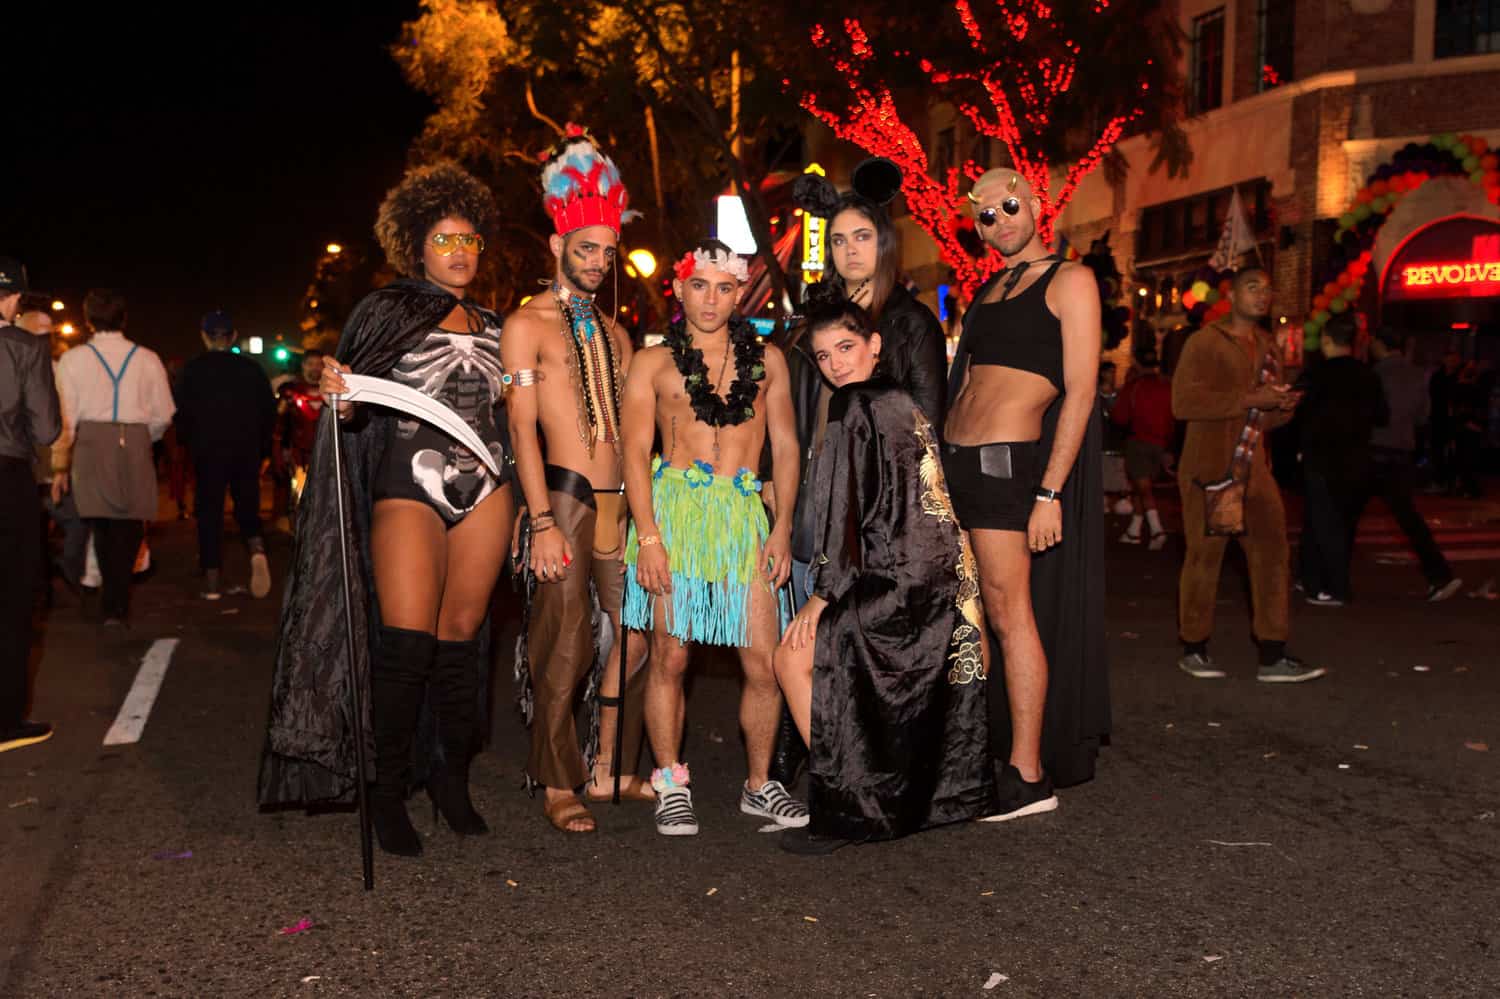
{"x":1343,"y":275}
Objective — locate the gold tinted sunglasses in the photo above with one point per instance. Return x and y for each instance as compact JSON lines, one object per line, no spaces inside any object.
{"x":448,"y":243}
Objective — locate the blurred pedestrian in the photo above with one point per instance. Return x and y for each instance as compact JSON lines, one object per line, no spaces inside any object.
{"x":1144,"y":407}
{"x":298,"y":406}
{"x":29,"y":418}
{"x":1393,"y":457}
{"x":116,"y":400}
{"x":1471,"y":405}
{"x":1343,"y":405}
{"x":1228,"y":389}
{"x":1441,"y":389}
{"x":225,"y":416}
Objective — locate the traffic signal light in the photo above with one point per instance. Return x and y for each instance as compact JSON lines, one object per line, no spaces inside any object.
{"x":281,"y":354}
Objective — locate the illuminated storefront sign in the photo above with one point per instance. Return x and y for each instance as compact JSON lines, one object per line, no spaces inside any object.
{"x":813,"y":263}
{"x":812,"y":247}
{"x":1473,"y":272}
{"x":1454,"y":259}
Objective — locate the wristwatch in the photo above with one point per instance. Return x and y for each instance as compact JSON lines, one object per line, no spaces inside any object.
{"x":1045,"y":495}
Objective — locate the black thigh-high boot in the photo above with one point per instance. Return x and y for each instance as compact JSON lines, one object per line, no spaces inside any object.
{"x":789,"y":754}
{"x":455,"y":701}
{"x":398,"y":680}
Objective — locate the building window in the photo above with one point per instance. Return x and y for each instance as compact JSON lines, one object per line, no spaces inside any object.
{"x":1208,"y":61}
{"x":1466,"y":27}
{"x":1192,"y":226}
{"x":1274,"y":20}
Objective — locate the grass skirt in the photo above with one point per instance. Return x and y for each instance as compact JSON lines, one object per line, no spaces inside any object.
{"x":713,"y":527}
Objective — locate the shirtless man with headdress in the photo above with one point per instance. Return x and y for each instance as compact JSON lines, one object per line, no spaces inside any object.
{"x":705,"y":567}
{"x":565,"y":362}
{"x":1022,"y":458}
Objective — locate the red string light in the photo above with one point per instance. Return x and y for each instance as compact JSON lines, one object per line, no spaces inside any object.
{"x":1021,"y":92}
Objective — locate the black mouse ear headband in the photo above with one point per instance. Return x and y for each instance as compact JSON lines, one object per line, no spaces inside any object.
{"x":816,"y":195}
{"x":876,"y":179}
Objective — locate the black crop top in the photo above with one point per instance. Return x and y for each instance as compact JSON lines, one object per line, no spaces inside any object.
{"x":1021,"y":333}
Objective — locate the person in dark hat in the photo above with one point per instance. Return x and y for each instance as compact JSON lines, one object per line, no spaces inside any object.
{"x":226,"y":413}
{"x":29,"y":418}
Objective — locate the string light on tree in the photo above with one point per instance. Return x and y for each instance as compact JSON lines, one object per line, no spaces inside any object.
{"x":1010,"y":95}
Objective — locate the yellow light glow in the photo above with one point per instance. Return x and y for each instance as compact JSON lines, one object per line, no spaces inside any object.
{"x":630,"y":271}
{"x":643,"y":261}
{"x":313,"y":304}
{"x":1142,"y":292}
{"x":815,"y":168}
{"x":67,"y":329}
{"x":525,"y":299}
{"x":57,"y":306}
{"x":335,"y":249}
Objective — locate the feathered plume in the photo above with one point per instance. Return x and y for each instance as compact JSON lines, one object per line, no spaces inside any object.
{"x":582,"y":187}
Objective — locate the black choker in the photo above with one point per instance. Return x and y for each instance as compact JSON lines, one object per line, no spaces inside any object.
{"x":749,"y":371}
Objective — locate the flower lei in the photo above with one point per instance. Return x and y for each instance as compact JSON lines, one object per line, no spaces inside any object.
{"x":667,"y":777}
{"x":749,"y":371}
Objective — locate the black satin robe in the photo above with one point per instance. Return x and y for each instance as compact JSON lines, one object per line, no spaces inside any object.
{"x":898,"y":708}
{"x":309,"y":754}
{"x":1067,"y":596}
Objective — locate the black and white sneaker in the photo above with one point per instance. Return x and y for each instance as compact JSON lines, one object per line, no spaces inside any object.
{"x":1324,"y":599}
{"x":674,"y":812}
{"x":1020,"y":797}
{"x":1438,"y":592}
{"x":773,"y":802}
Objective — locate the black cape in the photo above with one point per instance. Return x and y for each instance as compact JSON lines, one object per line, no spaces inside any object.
{"x":1067,"y":595}
{"x":309,"y":756}
{"x":898,"y":709}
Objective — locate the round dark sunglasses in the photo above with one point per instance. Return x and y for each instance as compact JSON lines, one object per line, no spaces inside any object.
{"x":989,"y":216}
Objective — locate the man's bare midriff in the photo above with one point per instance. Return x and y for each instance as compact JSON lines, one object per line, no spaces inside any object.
{"x":558,"y":408}
{"x":998,"y":404}
{"x":685,"y":438}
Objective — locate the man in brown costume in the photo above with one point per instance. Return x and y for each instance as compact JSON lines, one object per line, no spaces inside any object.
{"x":1227,"y":388}
{"x":565,"y":365}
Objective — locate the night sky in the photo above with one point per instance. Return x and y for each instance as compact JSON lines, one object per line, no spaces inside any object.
{"x":197,"y":161}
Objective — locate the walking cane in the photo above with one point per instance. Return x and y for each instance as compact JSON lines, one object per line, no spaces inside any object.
{"x":356,"y":679}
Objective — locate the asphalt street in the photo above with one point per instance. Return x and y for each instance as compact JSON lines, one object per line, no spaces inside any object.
{"x":1337,"y":838}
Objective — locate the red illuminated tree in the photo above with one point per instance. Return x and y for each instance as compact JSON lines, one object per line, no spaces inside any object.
{"x":1053,"y":82}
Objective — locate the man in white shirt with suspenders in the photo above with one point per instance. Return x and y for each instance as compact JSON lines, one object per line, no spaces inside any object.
{"x":116,"y":400}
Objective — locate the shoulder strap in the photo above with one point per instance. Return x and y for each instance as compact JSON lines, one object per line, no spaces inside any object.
{"x":115,"y":377}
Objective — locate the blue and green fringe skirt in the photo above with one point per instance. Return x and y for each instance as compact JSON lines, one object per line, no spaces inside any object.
{"x":713,"y":527}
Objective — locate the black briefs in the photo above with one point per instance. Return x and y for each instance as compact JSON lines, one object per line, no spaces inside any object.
{"x":993,"y":486}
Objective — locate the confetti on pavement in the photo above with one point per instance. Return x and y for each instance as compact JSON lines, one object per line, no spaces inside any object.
{"x":995,"y":979}
{"x":299,"y":927}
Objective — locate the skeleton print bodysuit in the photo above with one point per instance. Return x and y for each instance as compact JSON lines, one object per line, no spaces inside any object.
{"x":424,"y":464}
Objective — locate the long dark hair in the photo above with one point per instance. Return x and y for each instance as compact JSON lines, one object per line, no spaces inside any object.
{"x":887,"y":252}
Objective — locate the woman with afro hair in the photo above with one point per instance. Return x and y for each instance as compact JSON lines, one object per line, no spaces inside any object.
{"x":432,"y":527}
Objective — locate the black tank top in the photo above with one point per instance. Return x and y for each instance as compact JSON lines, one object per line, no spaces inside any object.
{"x":1021,"y":333}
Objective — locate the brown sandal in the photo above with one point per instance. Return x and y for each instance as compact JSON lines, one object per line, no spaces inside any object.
{"x":631,"y":789}
{"x":564,"y":811}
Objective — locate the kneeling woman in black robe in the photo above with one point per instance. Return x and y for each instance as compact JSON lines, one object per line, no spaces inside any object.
{"x":883,"y":668}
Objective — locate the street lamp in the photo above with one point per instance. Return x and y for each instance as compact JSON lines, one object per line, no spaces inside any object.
{"x":67,"y":329}
{"x":57,"y":305}
{"x":335,"y":249}
{"x":643,"y":261}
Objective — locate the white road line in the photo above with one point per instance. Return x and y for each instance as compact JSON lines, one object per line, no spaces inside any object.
{"x":131,"y":721}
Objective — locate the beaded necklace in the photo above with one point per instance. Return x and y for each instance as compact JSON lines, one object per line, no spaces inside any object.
{"x":593,"y":369}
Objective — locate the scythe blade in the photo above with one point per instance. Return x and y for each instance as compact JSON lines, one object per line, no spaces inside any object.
{"x":393,"y":395}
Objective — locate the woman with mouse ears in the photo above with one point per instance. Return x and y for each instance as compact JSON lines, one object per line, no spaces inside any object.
{"x":863,"y":250}
{"x":883,"y":667}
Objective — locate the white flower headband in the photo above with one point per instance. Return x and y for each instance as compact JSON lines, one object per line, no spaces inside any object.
{"x":730,"y":263}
